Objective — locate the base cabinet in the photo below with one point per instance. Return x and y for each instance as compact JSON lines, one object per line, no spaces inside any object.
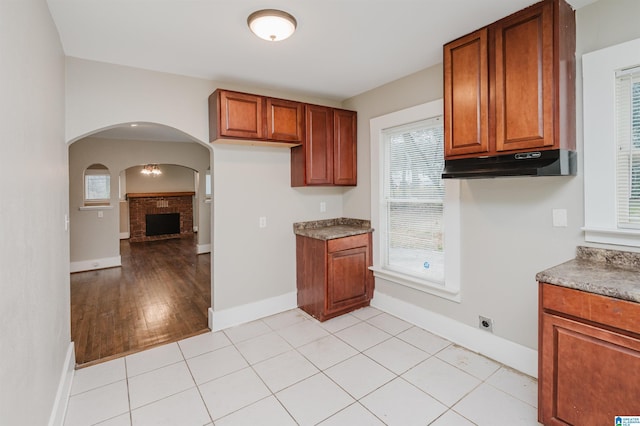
{"x":589,"y":358}
{"x":333,"y":276}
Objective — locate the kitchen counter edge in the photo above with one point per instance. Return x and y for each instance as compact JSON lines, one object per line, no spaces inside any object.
{"x":611,"y":273}
{"x":329,"y":229}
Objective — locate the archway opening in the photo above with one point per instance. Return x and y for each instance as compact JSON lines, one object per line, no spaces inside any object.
{"x":104,"y":257}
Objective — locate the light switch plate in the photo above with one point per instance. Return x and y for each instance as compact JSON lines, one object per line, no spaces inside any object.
{"x":559,"y":218}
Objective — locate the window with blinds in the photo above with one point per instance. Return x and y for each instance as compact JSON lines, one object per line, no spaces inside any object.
{"x":97,"y":185}
{"x":413,"y":197}
{"x":628,"y":148}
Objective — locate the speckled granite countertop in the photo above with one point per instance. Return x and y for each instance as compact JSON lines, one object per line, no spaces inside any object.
{"x":607,"y":272}
{"x":330,"y":229}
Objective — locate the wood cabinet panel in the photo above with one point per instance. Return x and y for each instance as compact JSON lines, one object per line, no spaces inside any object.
{"x":284,"y":120}
{"x":589,"y":364}
{"x":524,"y":80}
{"x":466,"y":84}
{"x":347,"y":278}
{"x":241,"y":115}
{"x":345,"y":147}
{"x":333,"y":276}
{"x":318,"y":145}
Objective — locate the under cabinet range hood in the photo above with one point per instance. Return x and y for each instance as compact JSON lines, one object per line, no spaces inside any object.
{"x":556,"y":162}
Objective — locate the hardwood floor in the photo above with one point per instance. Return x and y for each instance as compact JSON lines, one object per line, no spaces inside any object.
{"x":160,"y":294}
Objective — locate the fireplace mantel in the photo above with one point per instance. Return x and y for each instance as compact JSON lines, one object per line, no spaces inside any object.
{"x":159,"y":194}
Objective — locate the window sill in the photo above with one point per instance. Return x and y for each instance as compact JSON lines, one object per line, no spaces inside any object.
{"x":417,"y":284}
{"x":107,"y":207}
{"x":620,"y":237}
{"x":207,"y":200}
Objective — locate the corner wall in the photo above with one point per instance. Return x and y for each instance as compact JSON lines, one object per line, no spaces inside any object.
{"x":507,"y":232}
{"x":34,"y":246}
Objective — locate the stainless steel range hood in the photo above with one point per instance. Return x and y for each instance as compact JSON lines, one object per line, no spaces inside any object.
{"x":557,"y":162}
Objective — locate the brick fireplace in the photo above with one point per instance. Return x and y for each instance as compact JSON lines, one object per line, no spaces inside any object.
{"x":159,"y":203}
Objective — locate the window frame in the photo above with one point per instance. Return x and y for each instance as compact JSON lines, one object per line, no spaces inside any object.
{"x":450,"y":289}
{"x":599,"y":125}
{"x":97,"y":202}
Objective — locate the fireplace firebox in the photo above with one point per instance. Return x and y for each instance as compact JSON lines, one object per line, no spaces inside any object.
{"x":162,"y":224}
{"x":160,"y":215}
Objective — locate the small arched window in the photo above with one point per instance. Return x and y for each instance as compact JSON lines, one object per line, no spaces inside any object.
{"x":97,"y":185}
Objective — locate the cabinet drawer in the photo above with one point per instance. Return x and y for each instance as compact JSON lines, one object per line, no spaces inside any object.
{"x":616,"y":313}
{"x":346,"y":243}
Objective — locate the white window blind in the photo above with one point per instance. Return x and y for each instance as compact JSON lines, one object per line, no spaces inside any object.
{"x":413,"y":194}
{"x":628,"y":147}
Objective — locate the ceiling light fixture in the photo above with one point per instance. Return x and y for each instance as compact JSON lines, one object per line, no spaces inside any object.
{"x":272,"y":24}
{"x":151,"y":169}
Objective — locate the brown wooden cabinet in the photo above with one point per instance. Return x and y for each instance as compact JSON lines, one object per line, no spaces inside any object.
{"x":328,"y":153}
{"x":333,"y":276}
{"x":466,"y":88}
{"x":284,"y":120}
{"x":589,"y":358}
{"x":247,"y":117}
{"x":510,"y":87}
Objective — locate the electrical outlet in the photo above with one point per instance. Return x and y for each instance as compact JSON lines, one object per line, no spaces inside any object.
{"x":262,"y":222}
{"x":323,"y":206}
{"x":485,"y":323}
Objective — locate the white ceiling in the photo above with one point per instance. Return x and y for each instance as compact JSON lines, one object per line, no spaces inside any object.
{"x":341,"y":48}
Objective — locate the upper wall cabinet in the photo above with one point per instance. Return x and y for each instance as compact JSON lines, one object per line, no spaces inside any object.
{"x":327,"y":156}
{"x":243,"y":117}
{"x":510,"y":87}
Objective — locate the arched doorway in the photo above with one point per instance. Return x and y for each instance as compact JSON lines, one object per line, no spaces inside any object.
{"x":98,"y":241}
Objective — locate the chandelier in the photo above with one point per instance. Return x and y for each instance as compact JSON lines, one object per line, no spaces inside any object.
{"x":151,"y":169}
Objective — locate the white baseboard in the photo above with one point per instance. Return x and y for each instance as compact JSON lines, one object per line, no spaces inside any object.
{"x":502,"y":350}
{"x":124,"y":235}
{"x":203,"y":248}
{"x":226,"y":318}
{"x":90,"y":265}
{"x":64,"y":388}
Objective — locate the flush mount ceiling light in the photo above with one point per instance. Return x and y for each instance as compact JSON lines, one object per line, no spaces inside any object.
{"x":151,"y":169}
{"x":272,"y":24}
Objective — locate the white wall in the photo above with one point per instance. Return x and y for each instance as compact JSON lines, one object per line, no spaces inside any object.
{"x":249,"y":264}
{"x":507,"y":233}
{"x":34,"y":246}
{"x":95,"y":238}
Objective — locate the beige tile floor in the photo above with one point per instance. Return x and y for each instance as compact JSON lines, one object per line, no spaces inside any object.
{"x":363,"y":368}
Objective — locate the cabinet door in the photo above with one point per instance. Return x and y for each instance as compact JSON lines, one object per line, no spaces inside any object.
{"x":466,"y":95}
{"x":241,"y":115}
{"x":344,"y":148}
{"x":588,"y":375}
{"x":318,"y":145}
{"x":524,"y":83}
{"x":284,"y":120}
{"x":347,"y":278}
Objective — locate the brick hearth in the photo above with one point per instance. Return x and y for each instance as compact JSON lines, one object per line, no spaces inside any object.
{"x":141,"y":204}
